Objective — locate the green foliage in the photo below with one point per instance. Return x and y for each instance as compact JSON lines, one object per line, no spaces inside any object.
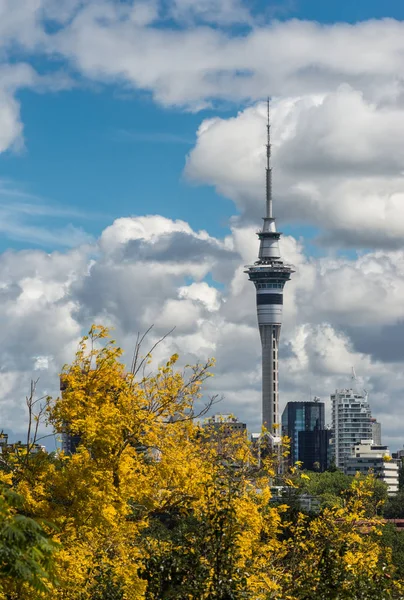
{"x":393,"y":540}
{"x":330,"y":486}
{"x":26,"y":551}
{"x":394,"y":507}
{"x":189,"y":556}
{"x":338,"y":556}
{"x":401,"y":474}
{"x":105,"y":586}
{"x":332,"y":489}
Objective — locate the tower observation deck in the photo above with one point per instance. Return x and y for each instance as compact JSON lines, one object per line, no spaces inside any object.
{"x":269,"y":275}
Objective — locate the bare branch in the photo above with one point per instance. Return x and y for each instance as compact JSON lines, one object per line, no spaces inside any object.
{"x":30,"y":404}
{"x":43,"y":437}
{"x":212,"y":401}
{"x":136,"y":367}
{"x":137,"y":348}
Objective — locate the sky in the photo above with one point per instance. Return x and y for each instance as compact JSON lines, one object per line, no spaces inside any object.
{"x":132,"y":184}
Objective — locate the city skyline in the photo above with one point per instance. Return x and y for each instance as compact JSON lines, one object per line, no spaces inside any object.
{"x":132,"y":170}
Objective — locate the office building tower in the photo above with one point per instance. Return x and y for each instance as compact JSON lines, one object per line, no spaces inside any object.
{"x":351,"y":423}
{"x":70,"y":441}
{"x":315,"y":449}
{"x":269,"y":275}
{"x":367,"y":457}
{"x":376,"y":432}
{"x":303,"y":423}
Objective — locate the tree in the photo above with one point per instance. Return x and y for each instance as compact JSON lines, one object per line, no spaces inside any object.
{"x":394,"y":507}
{"x":90,"y":495}
{"x":393,"y":541}
{"x":150,"y":508}
{"x":338,"y":555}
{"x":333,"y":487}
{"x":26,"y":551}
{"x":401,"y":474}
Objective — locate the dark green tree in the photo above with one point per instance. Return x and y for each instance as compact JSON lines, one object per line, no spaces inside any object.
{"x":393,"y":538}
{"x":332,"y":489}
{"x":394,"y":507}
{"x":190,"y":558}
{"x":26,"y":552}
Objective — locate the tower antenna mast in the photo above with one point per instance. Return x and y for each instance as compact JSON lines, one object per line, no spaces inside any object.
{"x":268,"y":168}
{"x":269,"y":275}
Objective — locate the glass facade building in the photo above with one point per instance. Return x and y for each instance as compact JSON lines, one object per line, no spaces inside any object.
{"x":303,"y":423}
{"x":315,"y":449}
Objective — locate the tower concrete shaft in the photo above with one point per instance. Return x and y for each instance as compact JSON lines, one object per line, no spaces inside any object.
{"x":269,"y":275}
{"x":270,"y":395}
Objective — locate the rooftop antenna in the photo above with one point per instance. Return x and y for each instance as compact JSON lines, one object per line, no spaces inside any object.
{"x":268,"y":168}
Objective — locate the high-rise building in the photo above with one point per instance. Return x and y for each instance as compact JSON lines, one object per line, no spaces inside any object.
{"x":399,"y":455}
{"x":368,"y":457}
{"x":376,"y":432}
{"x":269,"y":275}
{"x":351,"y":422}
{"x":70,"y":441}
{"x":303,"y":423}
{"x":315,"y":449}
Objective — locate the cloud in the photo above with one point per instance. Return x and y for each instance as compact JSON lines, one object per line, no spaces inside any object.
{"x":36,"y":321}
{"x":202,"y":293}
{"x":338,"y":165}
{"x":48,"y":300}
{"x":14,"y":77}
{"x":10,"y":123}
{"x":20,"y":21}
{"x":146,"y":262}
{"x":194,"y":64}
{"x":337,"y":112}
{"x":184,"y":53}
{"x":222,"y":12}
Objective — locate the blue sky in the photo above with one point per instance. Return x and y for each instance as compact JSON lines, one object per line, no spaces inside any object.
{"x":130,"y":128}
{"x":107,"y":151}
{"x":105,"y":155}
{"x":334,"y":11}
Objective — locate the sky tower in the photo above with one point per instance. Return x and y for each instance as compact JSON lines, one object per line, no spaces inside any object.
{"x":269,"y":275}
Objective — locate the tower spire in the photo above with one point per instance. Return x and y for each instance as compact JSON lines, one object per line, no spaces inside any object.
{"x":269,"y":275}
{"x":268,"y":169}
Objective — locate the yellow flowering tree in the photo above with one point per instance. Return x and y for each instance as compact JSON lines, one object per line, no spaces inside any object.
{"x":338,"y":555}
{"x":153,"y":507}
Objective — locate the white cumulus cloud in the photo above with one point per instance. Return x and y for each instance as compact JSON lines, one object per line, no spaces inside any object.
{"x":48,"y":300}
{"x":338,"y":165}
